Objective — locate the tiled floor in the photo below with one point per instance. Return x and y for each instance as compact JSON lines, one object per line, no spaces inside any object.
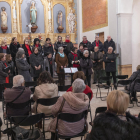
{"x":95,"y":102}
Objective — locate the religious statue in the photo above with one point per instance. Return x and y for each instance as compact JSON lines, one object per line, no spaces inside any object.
{"x":71,"y":21}
{"x":3,"y":20}
{"x":60,"y":21}
{"x":33,"y":13}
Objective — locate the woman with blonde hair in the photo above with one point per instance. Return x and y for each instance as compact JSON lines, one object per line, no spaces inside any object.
{"x":115,"y":123}
{"x":4,"y":48}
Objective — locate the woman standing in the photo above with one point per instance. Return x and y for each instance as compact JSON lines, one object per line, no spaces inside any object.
{"x":62,"y":62}
{"x":38,"y":45}
{"x":48,"y":48}
{"x":27,"y":49}
{"x":22,"y":65}
{"x":86,"y":66}
{"x":36,"y":62}
{"x":4,"y":48}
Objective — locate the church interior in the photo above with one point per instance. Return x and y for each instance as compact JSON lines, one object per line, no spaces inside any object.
{"x":76,"y":18}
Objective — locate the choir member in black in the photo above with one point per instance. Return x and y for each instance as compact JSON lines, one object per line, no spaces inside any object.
{"x":4,"y":48}
{"x":38,"y":45}
{"x":27,"y":49}
{"x":68,"y":44}
{"x":14,"y":46}
{"x":58,"y":43}
{"x":74,"y":59}
{"x":86,"y":43}
{"x":48,"y":47}
{"x":80,"y":51}
{"x":49,"y":64}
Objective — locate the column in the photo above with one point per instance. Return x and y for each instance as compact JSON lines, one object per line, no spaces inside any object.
{"x":50,"y":17}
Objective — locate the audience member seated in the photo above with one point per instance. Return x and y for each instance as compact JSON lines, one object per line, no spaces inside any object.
{"x":115,"y":123}
{"x":46,"y":89}
{"x":97,"y":43}
{"x":74,"y":102}
{"x":49,"y":64}
{"x":86,"y":66}
{"x":36,"y":61}
{"x":74,"y":59}
{"x":109,"y":43}
{"x":81,"y":75}
{"x":4,"y":48}
{"x":110,"y":65}
{"x":10,"y":94}
{"x":48,"y":47}
{"x":62,"y":62}
{"x":80,"y":51}
{"x":10,"y":64}
{"x":86,"y":43}
{"x":38,"y":45}
{"x":27,"y":49}
{"x":135,"y":86}
{"x":22,"y":65}
{"x":58,"y":44}
{"x":97,"y":59}
{"x":68,"y":44}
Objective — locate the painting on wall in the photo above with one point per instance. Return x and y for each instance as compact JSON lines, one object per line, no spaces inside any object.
{"x":94,"y":14}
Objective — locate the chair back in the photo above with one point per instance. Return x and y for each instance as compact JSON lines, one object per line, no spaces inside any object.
{"x":122,"y":77}
{"x":89,"y":95}
{"x":30,"y":84}
{"x":105,"y":78}
{"x":124,"y":82}
{"x":47,"y":102}
{"x":100,"y":110}
{"x":27,"y":120}
{"x":63,"y":88}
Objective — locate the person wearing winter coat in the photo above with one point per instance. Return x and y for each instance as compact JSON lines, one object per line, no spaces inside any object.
{"x":38,"y":45}
{"x":80,"y":51}
{"x":86,"y":43}
{"x":97,"y":43}
{"x":74,"y":103}
{"x":4,"y":48}
{"x":36,"y":61}
{"x":115,"y":123}
{"x":22,"y":65}
{"x":58,"y":43}
{"x":46,"y":89}
{"x":109,"y":43}
{"x":86,"y":66}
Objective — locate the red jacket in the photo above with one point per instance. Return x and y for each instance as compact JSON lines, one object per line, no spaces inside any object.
{"x":86,"y":91}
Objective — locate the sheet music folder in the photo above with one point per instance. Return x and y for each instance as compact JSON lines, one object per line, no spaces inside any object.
{"x":70,"y":70}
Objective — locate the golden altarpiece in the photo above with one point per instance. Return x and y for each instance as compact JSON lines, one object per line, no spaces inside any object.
{"x":16,"y":21}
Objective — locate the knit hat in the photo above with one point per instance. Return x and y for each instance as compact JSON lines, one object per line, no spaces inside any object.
{"x":20,"y":53}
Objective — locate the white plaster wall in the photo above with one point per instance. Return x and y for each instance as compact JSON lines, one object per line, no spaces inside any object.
{"x":136,"y":35}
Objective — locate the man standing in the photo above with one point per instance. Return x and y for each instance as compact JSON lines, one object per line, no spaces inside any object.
{"x":97,"y":59}
{"x":109,"y":42}
{"x":58,"y":43}
{"x":86,"y":43}
{"x":97,"y":43}
{"x":110,"y":65}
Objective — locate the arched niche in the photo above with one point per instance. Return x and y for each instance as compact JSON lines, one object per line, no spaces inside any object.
{"x":25,"y":16}
{"x":8,"y":11}
{"x":56,"y":9}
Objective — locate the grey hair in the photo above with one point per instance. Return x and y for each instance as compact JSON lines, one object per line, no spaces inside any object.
{"x":18,"y":80}
{"x":110,"y":47}
{"x":60,"y":48}
{"x":20,"y":53}
{"x":78,"y":86}
{"x":85,"y":51}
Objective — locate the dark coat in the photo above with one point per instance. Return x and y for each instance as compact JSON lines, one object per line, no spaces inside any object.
{"x":23,"y":69}
{"x":25,"y":49}
{"x":39,"y":48}
{"x":68,"y":48}
{"x":110,"y":66}
{"x":135,"y":86}
{"x":80,"y":54}
{"x":36,"y":60}
{"x":109,"y":44}
{"x":109,"y":126}
{"x":100,"y":46}
{"x":99,"y":65}
{"x":11,"y":94}
{"x":48,"y":48}
{"x":14,"y":49}
{"x":3,"y":74}
{"x":7,"y":50}
{"x":86,"y":65}
{"x":88,"y":45}
{"x":71,"y":59}
{"x":57,"y":45}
